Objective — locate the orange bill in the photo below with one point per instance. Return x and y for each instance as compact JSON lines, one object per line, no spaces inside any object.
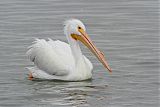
{"x":84,"y":38}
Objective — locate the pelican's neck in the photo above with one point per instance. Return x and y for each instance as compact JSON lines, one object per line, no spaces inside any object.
{"x":75,"y":48}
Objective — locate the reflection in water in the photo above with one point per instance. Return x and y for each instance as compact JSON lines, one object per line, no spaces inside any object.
{"x":67,"y":93}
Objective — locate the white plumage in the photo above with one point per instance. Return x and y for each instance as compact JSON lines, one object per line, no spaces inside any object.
{"x":54,"y":60}
{"x":59,"y":60}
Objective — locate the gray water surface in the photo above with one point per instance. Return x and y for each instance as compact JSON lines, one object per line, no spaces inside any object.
{"x":125,"y":30}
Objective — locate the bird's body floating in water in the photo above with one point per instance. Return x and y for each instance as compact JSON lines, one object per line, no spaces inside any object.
{"x":58,"y":60}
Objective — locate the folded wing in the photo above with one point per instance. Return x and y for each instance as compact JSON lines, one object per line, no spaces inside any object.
{"x":53,"y":57}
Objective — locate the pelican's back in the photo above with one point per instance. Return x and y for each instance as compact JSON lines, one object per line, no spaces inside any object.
{"x":53,"y":57}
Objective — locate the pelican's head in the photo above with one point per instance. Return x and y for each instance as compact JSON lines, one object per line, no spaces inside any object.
{"x":72,"y":26}
{"x":77,"y":31}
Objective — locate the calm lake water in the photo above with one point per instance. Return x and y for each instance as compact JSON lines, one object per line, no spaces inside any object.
{"x":125,"y":30}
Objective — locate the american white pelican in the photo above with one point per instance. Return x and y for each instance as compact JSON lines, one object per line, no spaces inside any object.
{"x":61,"y":61}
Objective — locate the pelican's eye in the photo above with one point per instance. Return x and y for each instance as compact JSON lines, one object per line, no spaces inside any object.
{"x":79,"y":27}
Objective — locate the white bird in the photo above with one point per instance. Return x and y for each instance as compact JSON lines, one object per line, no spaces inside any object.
{"x":58,"y":60}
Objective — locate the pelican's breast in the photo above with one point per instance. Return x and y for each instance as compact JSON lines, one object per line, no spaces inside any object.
{"x":83,"y":69}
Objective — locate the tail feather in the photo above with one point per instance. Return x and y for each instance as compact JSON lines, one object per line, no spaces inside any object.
{"x":37,"y":73}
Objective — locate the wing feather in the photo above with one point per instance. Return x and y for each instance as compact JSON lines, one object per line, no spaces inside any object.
{"x":53,"y":57}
